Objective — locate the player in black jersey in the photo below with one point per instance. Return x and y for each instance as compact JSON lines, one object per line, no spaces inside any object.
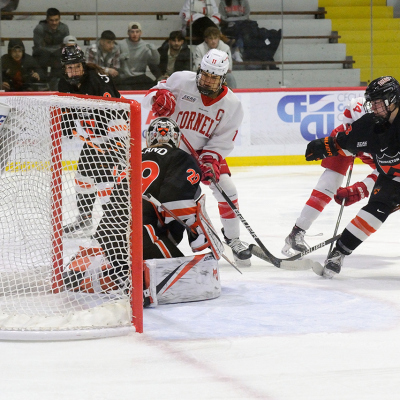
{"x":82,"y":78}
{"x":378,"y":133}
{"x":171,"y":176}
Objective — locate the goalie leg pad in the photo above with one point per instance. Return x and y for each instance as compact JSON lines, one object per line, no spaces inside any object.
{"x":184,"y":279}
{"x":203,"y":226}
{"x":149,"y":284}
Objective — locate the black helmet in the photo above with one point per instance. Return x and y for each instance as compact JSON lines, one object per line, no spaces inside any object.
{"x":72,"y":55}
{"x":384,"y":88}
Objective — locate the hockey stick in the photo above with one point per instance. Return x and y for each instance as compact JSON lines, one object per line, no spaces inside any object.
{"x":189,"y":231}
{"x":278,"y":262}
{"x":342,"y":205}
{"x":260,"y":254}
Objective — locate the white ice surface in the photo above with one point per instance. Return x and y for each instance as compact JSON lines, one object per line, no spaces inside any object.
{"x":273,"y":334}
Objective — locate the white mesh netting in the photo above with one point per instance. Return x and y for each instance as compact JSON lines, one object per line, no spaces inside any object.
{"x":64,"y":223}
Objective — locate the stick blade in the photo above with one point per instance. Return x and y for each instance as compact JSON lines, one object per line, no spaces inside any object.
{"x":294,"y":265}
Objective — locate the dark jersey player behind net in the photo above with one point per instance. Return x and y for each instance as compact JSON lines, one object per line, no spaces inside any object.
{"x":172,"y":177}
{"x":94,"y":173}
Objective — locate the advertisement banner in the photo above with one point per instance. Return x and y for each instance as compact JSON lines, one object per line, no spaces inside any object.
{"x":277,"y":124}
{"x":281,"y":123}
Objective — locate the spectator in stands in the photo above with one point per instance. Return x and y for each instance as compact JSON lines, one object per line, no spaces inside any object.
{"x":136,"y":56}
{"x":106,"y":54}
{"x":174,"y":56}
{"x":48,"y":37}
{"x":212,"y":40}
{"x":233,"y":13}
{"x":20,"y":71}
{"x":201,"y":14}
{"x":8,"y":6}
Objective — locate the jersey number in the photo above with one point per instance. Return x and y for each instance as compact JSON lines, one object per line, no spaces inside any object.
{"x":193,"y":177}
{"x":150,"y":172}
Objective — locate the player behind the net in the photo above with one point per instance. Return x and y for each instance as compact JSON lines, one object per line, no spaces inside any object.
{"x":99,"y":130}
{"x":172,"y":177}
{"x":377,"y":132}
{"x":209,"y":115}
{"x":329,"y":184}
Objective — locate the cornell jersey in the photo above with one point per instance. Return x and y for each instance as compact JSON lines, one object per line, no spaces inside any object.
{"x":208,"y":124}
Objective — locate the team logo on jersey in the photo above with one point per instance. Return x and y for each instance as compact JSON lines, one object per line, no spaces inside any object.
{"x":191,"y":99}
{"x":361,"y":144}
{"x":376,"y":191}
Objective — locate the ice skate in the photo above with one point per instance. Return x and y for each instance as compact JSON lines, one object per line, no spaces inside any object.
{"x":82,"y":226}
{"x":333,"y":264}
{"x":295,"y":242}
{"x":240,"y":250}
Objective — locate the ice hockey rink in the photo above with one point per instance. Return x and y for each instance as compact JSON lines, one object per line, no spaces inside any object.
{"x":273,"y":334}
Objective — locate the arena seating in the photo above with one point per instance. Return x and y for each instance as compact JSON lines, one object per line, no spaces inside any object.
{"x":309,"y":47}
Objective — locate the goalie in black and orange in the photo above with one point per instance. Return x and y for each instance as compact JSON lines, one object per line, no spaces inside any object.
{"x":172,"y":177}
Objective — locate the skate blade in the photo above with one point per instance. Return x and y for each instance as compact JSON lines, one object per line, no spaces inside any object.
{"x":328,"y":273}
{"x":239,"y":263}
{"x":242,"y":263}
{"x":289,"y":252}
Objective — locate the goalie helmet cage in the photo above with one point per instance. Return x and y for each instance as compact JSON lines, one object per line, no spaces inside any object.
{"x":38,"y":196}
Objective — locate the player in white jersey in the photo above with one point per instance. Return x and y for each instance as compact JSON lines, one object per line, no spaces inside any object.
{"x":209,"y":115}
{"x":329,"y":184}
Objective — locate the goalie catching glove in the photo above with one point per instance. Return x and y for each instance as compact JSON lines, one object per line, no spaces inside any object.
{"x":210,"y":168}
{"x":164,"y":103}
{"x":351,"y":194}
{"x":321,"y":148}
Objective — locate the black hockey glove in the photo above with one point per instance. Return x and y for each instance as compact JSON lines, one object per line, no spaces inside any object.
{"x":321,"y":148}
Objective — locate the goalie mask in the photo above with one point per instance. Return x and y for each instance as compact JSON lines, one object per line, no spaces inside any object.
{"x":70,"y":57}
{"x":163,"y":131}
{"x":212,"y":71}
{"x":380,"y":94}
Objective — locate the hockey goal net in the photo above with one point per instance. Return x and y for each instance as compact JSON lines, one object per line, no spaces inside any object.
{"x":55,"y":285}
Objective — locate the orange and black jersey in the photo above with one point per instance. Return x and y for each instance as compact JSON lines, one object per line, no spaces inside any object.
{"x":93,"y":84}
{"x":172,"y":176}
{"x":381,"y":141}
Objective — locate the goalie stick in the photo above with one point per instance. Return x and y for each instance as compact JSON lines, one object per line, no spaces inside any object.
{"x":294,"y":265}
{"x":190,"y":232}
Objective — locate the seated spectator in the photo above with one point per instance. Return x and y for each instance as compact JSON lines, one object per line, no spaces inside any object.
{"x":248,"y":41}
{"x":48,"y":37}
{"x":201,"y":14}
{"x":212,"y":40}
{"x":233,"y":13}
{"x":136,"y":55}
{"x":20,"y":71}
{"x":57,"y":70}
{"x":174,"y":56}
{"x":106,"y":54}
